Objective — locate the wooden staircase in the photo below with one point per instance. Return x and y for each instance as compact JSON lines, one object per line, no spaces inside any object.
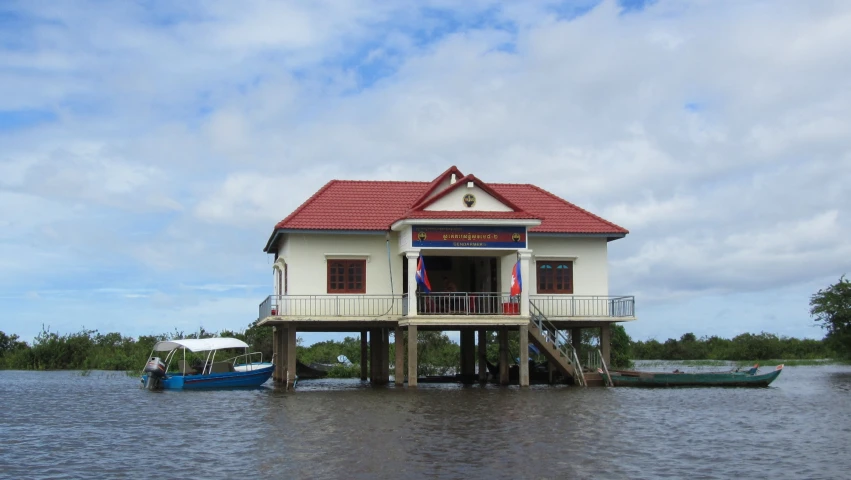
{"x":550,"y":348}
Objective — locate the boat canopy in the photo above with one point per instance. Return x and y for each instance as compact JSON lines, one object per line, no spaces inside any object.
{"x":200,"y":344}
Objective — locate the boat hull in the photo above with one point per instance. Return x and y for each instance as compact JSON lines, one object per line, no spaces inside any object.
{"x":238,"y":379}
{"x":664,"y":379}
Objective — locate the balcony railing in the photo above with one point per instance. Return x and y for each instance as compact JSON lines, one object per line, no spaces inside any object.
{"x":467,"y":303}
{"x":568,"y":306}
{"x":445,"y":303}
{"x":368,"y":306}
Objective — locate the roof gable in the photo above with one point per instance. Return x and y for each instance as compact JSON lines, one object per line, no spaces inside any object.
{"x":498,"y":203}
{"x":440,"y":183}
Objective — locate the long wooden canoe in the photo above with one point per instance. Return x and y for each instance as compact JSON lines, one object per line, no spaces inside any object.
{"x":629,"y":378}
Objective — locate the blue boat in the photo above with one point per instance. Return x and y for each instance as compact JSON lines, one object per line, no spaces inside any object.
{"x":238,"y":371}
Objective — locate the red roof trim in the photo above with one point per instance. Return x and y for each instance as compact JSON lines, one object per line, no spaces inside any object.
{"x":436,"y":182}
{"x":469,"y":178}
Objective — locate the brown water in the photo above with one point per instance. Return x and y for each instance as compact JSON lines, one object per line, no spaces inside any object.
{"x":66,"y":425}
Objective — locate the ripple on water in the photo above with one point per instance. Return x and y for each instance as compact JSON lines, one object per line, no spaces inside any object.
{"x":64,"y":425}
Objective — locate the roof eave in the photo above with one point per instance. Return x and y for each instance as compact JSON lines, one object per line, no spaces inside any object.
{"x":521,"y":222}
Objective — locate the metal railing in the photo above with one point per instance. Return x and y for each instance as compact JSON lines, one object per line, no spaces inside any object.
{"x":354,"y":305}
{"x":467,"y":303}
{"x":559,"y":340}
{"x":606,"y":377}
{"x":566,"y":306}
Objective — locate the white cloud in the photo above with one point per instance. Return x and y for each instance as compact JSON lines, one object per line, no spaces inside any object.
{"x":715,"y":132}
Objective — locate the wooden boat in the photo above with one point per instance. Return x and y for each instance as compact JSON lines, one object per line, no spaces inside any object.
{"x":309,"y":372}
{"x":628,"y":378}
{"x":238,"y":371}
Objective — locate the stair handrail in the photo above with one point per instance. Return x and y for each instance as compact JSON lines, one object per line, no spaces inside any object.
{"x":578,"y":368}
{"x":608,"y":378}
{"x":559,"y":339}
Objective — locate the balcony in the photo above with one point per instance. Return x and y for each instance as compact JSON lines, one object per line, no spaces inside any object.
{"x":467,"y":303}
{"x":567,"y":307}
{"x":554,"y":307}
{"x":332,"y":306}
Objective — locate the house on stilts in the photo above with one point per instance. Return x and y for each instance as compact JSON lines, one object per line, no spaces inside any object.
{"x":498,"y":257}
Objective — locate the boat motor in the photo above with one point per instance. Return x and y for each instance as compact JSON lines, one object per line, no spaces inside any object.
{"x":155,"y":370}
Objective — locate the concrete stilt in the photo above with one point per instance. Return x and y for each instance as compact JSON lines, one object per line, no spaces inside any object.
{"x":276,"y":374}
{"x":412,"y":355}
{"x":483,"y":355}
{"x":374,"y":347}
{"x":503,"y":355}
{"x":282,"y":354}
{"x":576,"y":338}
{"x":399,"y":373}
{"x":364,"y":351}
{"x":524,"y":356}
{"x":606,"y":342}
{"x":468,"y":354}
{"x":384,"y":372}
{"x":291,"y":357}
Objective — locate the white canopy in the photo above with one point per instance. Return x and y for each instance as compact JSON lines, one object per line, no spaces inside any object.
{"x":200,"y":344}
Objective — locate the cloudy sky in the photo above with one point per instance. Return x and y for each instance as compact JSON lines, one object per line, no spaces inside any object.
{"x":147,"y":148}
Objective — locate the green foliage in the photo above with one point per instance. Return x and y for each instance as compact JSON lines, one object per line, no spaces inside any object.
{"x":831,"y":307}
{"x":437,"y":354}
{"x":744,"y":347}
{"x":621,"y":348}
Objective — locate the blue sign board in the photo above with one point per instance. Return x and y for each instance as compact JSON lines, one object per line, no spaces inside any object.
{"x":468,"y":237}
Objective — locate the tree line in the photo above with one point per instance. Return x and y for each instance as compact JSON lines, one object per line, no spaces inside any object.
{"x":437,"y":353}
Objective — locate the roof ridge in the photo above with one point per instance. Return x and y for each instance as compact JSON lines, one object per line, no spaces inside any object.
{"x":553,"y":195}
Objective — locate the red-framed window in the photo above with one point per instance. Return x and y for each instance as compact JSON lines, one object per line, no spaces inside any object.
{"x":555,"y":277}
{"x":347,"y":276}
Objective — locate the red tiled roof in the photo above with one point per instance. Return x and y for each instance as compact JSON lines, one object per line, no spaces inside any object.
{"x":375,"y":205}
{"x":557,"y":214}
{"x":354,"y":205}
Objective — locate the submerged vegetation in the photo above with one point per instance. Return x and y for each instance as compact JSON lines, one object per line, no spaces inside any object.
{"x":438,"y":353}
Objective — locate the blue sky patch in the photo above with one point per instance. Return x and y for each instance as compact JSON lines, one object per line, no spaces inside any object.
{"x":20,"y":119}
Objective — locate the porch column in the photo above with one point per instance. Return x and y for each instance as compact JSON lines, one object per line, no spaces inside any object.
{"x":503,"y":355}
{"x":399,"y":373}
{"x":412,"y":283}
{"x":468,"y":353}
{"x":527,"y":282}
{"x":364,"y":360}
{"x":483,"y":355}
{"x":291,"y":357}
{"x":524,"y":355}
{"x":276,"y":373}
{"x":412,"y":355}
{"x":606,"y":342}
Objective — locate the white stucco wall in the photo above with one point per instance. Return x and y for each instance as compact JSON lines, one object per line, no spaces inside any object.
{"x":454,"y":201}
{"x":305,"y":255}
{"x":307,"y":269}
{"x":590,"y":265}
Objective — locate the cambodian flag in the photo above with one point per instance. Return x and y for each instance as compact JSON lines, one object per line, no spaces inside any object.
{"x":516,"y":280}
{"x":422,"y":278}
